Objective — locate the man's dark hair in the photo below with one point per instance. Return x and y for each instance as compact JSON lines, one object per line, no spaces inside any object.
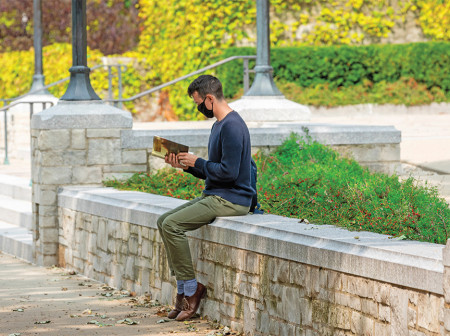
{"x":206,"y":84}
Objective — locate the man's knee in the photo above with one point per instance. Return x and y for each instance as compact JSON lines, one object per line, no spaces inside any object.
{"x":169,"y":226}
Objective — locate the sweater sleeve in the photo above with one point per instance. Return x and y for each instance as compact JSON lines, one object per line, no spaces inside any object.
{"x":227,"y":169}
{"x":196,"y":172}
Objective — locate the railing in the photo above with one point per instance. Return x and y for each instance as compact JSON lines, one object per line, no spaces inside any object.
{"x":212,"y":66}
{"x":5,"y":113}
{"x":118,"y":102}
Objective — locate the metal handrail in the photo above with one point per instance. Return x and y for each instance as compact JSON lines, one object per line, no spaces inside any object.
{"x":5,"y":111}
{"x":212,"y":66}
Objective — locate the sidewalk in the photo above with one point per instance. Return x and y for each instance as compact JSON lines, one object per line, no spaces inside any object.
{"x":52,"y":302}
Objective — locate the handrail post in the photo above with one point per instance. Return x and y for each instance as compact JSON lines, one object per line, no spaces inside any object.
{"x":246,"y":75}
{"x":119,"y":74}
{"x":6,"y":161}
{"x":110,"y":93}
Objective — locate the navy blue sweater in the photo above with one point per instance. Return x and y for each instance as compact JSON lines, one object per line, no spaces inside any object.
{"x":227,"y":172}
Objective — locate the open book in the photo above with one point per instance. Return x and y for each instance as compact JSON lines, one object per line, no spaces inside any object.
{"x":163,"y":147}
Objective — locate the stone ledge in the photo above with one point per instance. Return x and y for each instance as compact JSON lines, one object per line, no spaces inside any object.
{"x":81,"y":114}
{"x":271,"y":134}
{"x":405,"y":263}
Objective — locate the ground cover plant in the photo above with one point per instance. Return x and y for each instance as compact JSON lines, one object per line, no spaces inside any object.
{"x":307,"y":180}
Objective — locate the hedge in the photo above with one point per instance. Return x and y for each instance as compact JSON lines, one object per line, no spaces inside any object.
{"x":308,"y":66}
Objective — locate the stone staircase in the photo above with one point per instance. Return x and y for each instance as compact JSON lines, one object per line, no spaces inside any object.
{"x":15,"y":217}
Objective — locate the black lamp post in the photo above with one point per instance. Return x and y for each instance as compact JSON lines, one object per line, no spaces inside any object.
{"x":38,"y":77}
{"x":263,"y":85}
{"x":80,"y":87}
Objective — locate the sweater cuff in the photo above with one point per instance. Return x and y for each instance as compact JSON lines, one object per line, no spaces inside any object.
{"x":200,"y":163}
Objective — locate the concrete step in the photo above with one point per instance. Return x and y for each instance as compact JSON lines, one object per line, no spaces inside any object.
{"x":15,"y":212}
{"x":16,"y":241}
{"x":15,"y":187}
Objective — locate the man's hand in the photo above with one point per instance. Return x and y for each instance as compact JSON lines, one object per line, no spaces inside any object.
{"x":173,"y":161}
{"x":187,"y":159}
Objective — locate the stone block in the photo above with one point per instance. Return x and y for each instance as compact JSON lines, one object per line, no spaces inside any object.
{"x":340,"y":317}
{"x":54,"y":139}
{"x":278,"y":270}
{"x":446,"y":254}
{"x":412,"y":317}
{"x":274,"y":327}
{"x":57,"y":158}
{"x":133,"y":245}
{"x":306,"y":312}
{"x":291,"y":305}
{"x":48,"y":235}
{"x":262,"y":322}
{"x":399,"y":311}
{"x":125,"y":231}
{"x":135,"y":156}
{"x":123,"y":169}
{"x":87,"y":175}
{"x":55,"y":175}
{"x":103,"y":133}
{"x":382,"y":329}
{"x":78,"y":139}
{"x":49,"y":248}
{"x":369,"y":307}
{"x":287,"y":329}
{"x":447,"y":319}
{"x":48,"y":222}
{"x":104,"y":151}
{"x":384,"y":313}
{"x":359,"y":286}
{"x":446,"y":284}
{"x":371,"y":152}
{"x":92,"y":243}
{"x":46,"y":197}
{"x":381,"y":293}
{"x":362,"y":325}
{"x":298,"y":273}
{"x":428,"y":312}
{"x":47,"y":210}
{"x":102,"y":237}
{"x":227,"y":310}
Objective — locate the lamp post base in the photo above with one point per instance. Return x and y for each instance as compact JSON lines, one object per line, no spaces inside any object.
{"x":37,"y":88}
{"x":270,"y":108}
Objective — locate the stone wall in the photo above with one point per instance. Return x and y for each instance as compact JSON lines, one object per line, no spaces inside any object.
{"x":266,"y":275}
{"x":446,"y":285}
{"x":376,"y":147}
{"x":72,"y":143}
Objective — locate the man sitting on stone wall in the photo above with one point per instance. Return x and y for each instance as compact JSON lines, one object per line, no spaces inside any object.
{"x":227,"y":192}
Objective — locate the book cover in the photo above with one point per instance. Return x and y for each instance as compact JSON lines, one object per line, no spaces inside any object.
{"x":163,"y":147}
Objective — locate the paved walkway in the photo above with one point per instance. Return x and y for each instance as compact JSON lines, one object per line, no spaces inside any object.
{"x":52,"y":302}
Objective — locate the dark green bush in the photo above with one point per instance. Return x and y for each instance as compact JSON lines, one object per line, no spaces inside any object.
{"x":345,"y":66}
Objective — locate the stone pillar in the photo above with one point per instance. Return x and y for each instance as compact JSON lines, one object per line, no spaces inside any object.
{"x":446,"y":285}
{"x":72,"y":143}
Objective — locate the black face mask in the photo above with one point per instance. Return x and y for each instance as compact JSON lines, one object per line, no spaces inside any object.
{"x":202,"y":108}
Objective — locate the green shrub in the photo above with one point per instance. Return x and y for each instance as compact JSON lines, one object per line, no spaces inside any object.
{"x":346,"y":66}
{"x":306,"y":180}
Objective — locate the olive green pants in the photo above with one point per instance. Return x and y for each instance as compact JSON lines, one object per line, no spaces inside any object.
{"x":190,"y":216}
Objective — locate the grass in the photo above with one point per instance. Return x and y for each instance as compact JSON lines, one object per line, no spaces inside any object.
{"x":306,"y":180}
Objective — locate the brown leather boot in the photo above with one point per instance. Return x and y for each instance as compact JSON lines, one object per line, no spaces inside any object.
{"x":178,"y":307}
{"x":191,"y":303}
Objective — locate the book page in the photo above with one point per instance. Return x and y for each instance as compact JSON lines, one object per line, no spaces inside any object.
{"x":163,"y":147}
